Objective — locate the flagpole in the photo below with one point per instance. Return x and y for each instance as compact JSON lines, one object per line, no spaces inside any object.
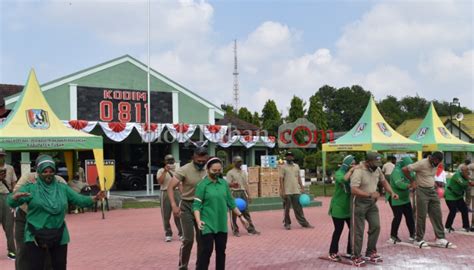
{"x":149,"y":102}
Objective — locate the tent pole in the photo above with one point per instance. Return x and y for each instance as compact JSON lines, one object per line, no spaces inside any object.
{"x":148,"y":188}
{"x":323,"y":156}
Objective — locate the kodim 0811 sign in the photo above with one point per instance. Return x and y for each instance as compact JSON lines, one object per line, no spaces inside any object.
{"x":122,"y":105}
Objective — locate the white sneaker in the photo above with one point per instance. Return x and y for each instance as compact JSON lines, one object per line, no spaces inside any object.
{"x":443,"y":243}
{"x":420,"y":244}
{"x":168,"y":238}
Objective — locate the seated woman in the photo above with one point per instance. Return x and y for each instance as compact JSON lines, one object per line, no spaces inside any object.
{"x":47,"y":201}
{"x":212,"y":200}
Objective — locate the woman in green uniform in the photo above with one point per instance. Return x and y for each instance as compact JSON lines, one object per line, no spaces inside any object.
{"x":454,"y":196}
{"x":45,"y":230}
{"x":339,"y":208}
{"x":401,"y":186}
{"x":211,"y":202}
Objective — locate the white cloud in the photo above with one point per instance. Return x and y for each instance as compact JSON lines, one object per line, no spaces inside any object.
{"x":389,"y":80}
{"x":397,"y":47}
{"x":393,"y":29}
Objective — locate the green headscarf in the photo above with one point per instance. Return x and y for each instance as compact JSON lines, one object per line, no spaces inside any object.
{"x":346,"y":162}
{"x":405,"y":162}
{"x":49,"y":195}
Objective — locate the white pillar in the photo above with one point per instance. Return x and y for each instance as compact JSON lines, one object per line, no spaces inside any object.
{"x":212,"y":116}
{"x":175,"y":107}
{"x":72,"y":102}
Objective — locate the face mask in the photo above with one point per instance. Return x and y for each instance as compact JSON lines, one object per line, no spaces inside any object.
{"x":215,"y":175}
{"x":199,"y":166}
{"x":372,"y":167}
{"x":289,"y":161}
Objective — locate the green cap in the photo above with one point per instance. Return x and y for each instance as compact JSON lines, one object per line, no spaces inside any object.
{"x":375,"y":157}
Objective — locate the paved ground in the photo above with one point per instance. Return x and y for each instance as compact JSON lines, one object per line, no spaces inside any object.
{"x":133,"y":239}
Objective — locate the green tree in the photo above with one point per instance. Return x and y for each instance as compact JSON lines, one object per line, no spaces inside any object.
{"x":256,"y":119}
{"x":271,"y":117}
{"x":296,"y":109}
{"x":391,"y":111}
{"x":228,"y":109}
{"x":344,"y":106}
{"x":316,"y":114}
{"x":245,"y":114}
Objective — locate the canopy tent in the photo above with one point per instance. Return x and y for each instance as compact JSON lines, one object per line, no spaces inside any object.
{"x":371,"y":133}
{"x":32,"y":125}
{"x":434,"y":136}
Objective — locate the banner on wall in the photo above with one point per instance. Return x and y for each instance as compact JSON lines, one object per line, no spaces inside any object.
{"x":109,"y":172}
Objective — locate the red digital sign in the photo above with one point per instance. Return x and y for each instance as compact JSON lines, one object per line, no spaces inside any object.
{"x":122,"y":105}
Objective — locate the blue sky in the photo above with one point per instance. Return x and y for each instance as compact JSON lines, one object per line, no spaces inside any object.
{"x":286,"y":48}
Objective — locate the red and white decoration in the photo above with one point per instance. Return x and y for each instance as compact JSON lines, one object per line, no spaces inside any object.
{"x":249,"y":140}
{"x":82,"y":125}
{"x":149,"y":135}
{"x":269,"y":141}
{"x":226,"y":142}
{"x":181,"y":132}
{"x":117,"y":131}
{"x":213,"y":133}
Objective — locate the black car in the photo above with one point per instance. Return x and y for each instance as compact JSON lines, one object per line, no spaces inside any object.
{"x":133,"y":177}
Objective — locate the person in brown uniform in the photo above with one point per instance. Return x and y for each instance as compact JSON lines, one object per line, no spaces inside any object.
{"x":6,"y":213}
{"x":238,"y":184}
{"x":164,"y":176}
{"x":364,"y":183}
{"x":427,"y":200}
{"x":189,"y":175}
{"x":290,"y":190}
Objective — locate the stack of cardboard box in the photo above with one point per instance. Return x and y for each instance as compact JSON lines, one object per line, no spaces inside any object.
{"x":253,"y":180}
{"x":269,"y":184}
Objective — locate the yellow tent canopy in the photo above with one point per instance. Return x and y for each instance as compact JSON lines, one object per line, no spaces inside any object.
{"x":372,"y":133}
{"x":433,"y":135}
{"x":33,"y":125}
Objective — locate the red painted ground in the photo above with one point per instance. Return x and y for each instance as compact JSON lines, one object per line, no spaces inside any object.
{"x":134,"y":239}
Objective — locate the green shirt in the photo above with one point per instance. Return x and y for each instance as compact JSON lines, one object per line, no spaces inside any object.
{"x":212,"y":200}
{"x":456,"y":187}
{"x":41,"y":219}
{"x":340,"y":202}
{"x":400,"y":186}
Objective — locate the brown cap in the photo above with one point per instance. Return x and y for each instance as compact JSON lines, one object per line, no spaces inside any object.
{"x":169,"y":157}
